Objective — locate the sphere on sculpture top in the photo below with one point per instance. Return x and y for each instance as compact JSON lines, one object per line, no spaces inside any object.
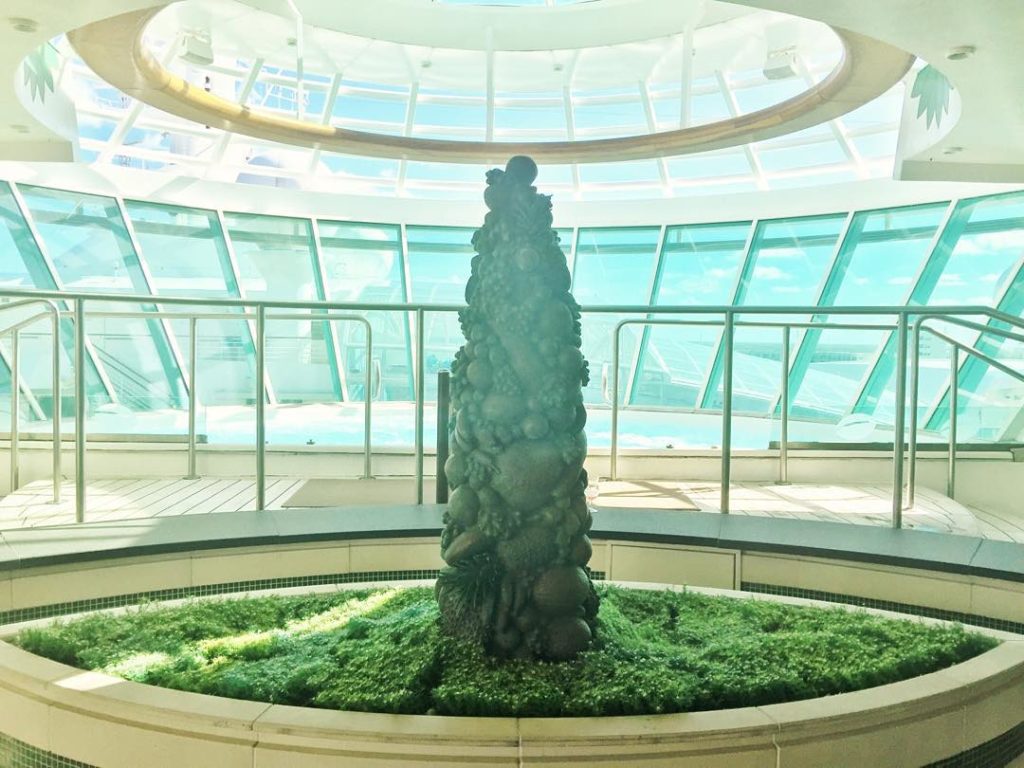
{"x":522,"y":169}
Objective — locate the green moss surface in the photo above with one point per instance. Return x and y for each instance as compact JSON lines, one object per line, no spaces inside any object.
{"x":382,"y":651}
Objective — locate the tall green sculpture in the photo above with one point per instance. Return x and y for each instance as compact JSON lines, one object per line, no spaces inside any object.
{"x":515,"y":536}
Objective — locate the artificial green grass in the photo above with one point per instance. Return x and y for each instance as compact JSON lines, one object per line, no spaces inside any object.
{"x":382,"y":651}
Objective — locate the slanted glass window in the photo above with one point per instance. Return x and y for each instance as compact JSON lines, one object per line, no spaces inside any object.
{"x":276,"y":262}
{"x":185,"y":251}
{"x":613,"y":266}
{"x":21,"y":265}
{"x":439,"y":266}
{"x":363,"y":263}
{"x":22,"y":268}
{"x":700,"y":264}
{"x":876,"y":266}
{"x":986,"y":267}
{"x":787,"y":264}
{"x":89,"y":246}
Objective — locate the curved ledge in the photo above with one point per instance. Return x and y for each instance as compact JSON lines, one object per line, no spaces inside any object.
{"x":114,"y":49}
{"x":109,"y":722}
{"x":30,"y":548}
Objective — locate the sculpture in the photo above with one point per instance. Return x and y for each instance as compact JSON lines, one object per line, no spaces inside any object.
{"x":515,"y":536}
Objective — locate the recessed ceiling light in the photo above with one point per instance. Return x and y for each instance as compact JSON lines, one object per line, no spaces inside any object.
{"x":21,"y":24}
{"x":960,"y":53}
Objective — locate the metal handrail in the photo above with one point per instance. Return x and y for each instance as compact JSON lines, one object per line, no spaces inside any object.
{"x":729,"y":319}
{"x":49,"y":308}
{"x":785,"y":326}
{"x":954,"y":372}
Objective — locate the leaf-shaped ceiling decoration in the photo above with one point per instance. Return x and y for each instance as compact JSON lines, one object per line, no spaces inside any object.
{"x":38,"y":71}
{"x":931,"y":89}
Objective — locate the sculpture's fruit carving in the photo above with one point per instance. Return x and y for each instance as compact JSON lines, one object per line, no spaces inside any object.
{"x":515,"y":530}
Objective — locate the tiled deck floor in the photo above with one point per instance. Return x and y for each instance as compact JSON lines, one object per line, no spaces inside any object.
{"x":120,"y":499}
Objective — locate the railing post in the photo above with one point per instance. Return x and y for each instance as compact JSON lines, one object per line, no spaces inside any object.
{"x":613,"y":458}
{"x":420,"y":396}
{"x":261,"y":423}
{"x":193,"y":398}
{"x":15,"y":407}
{"x":80,"y":405}
{"x":899,"y":428}
{"x":784,"y":426}
{"x":915,"y":386}
{"x":367,"y":398}
{"x":728,"y":333}
{"x":954,"y":381}
{"x":443,"y":411}
{"x":57,"y":407}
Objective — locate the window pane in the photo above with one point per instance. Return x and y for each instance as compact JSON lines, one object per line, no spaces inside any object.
{"x":185,"y":252}
{"x":879,"y":260}
{"x":275,"y":260}
{"x":363,"y":263}
{"x":984,"y":268}
{"x":700,"y":265}
{"x":439,"y":266}
{"x":613,"y":266}
{"x":787,"y":265}
{"x":22,"y":267}
{"x":89,"y":246}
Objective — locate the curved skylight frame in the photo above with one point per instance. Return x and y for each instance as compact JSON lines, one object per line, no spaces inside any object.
{"x":115,"y":129}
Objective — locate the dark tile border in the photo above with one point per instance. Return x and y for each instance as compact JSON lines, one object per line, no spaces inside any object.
{"x":994,"y":753}
{"x":227,"y":588}
{"x":1003,"y":625}
{"x":18,"y":754}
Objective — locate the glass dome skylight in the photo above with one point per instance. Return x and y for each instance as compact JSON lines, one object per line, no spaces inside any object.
{"x":735,"y":64}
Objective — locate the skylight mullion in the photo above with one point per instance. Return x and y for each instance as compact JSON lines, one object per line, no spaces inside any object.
{"x":946,"y":236}
{"x":645,"y":98}
{"x":243,"y":96}
{"x":334,"y":355}
{"x":489,"y":88}
{"x":837,"y":128}
{"x":742,"y":277}
{"x":169,"y":337}
{"x":410,"y":118}
{"x":686,"y":79}
{"x":645,"y":332}
{"x":325,"y":118}
{"x":570,"y":127}
{"x":846,"y":244}
{"x":128,"y":121}
{"x":748,"y":149}
{"x":236,"y":277}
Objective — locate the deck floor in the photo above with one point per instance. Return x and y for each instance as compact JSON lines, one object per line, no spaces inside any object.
{"x":119,"y":499}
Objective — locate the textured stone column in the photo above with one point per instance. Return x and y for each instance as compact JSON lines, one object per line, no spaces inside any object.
{"x":515,"y":537}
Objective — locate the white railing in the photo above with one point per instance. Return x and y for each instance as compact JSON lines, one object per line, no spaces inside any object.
{"x":726,"y":316}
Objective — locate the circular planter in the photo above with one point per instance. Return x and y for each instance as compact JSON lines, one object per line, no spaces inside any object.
{"x":108,"y":722}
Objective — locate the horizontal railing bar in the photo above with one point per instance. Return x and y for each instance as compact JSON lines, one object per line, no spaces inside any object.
{"x":975,"y":353}
{"x":25,"y":323}
{"x":975,"y":326}
{"x":309,"y":315}
{"x":603,"y":309}
{"x":314,"y":315}
{"x":758,"y":324}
